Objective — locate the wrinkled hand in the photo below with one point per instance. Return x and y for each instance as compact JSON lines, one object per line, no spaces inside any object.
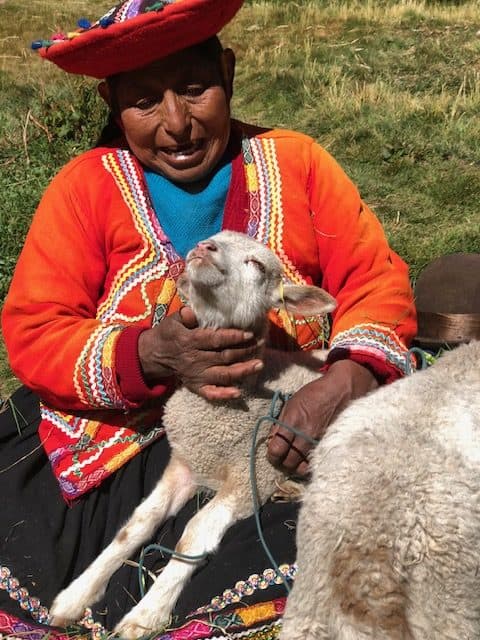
{"x":209,"y":362}
{"x":311,"y":410}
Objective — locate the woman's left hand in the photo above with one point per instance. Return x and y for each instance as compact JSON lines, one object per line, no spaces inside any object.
{"x":311,"y":409}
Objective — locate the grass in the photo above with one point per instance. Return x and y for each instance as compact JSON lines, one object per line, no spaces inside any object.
{"x":390,"y":88}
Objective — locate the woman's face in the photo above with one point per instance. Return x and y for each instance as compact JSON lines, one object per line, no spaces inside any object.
{"x":176,"y":113}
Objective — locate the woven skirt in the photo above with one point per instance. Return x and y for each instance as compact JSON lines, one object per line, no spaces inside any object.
{"x":44,"y":544}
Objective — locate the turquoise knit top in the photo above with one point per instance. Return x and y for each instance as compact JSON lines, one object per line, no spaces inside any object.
{"x":190,"y":213}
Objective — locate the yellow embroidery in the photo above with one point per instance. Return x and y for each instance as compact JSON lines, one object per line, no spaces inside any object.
{"x":252,"y":178}
{"x":117,"y":461}
{"x":257,"y":613}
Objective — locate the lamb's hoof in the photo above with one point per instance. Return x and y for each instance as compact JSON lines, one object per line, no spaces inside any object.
{"x":66,"y":609}
{"x":288,"y":491}
{"x":131,"y":631}
{"x":132,"y":627}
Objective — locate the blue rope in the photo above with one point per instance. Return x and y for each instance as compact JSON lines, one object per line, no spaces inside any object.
{"x":420,"y":358}
{"x":276,"y":405}
{"x":275,"y":411}
{"x":160,"y":547}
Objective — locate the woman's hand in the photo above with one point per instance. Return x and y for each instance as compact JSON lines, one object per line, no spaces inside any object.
{"x":311,"y":410}
{"x":209,"y":362}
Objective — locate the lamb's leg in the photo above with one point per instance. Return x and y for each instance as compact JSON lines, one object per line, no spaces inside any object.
{"x":173,"y":490}
{"x":202,"y":535}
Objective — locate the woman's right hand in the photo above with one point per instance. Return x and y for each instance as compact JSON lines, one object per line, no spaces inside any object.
{"x":209,"y":362}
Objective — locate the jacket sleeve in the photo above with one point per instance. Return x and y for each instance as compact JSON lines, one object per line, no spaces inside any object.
{"x":375,"y":318}
{"x":56,"y":344}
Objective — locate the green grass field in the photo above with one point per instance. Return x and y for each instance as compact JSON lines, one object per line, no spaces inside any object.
{"x":391,"y":89}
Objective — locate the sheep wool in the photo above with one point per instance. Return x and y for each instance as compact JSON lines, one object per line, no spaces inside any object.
{"x":389,"y":532}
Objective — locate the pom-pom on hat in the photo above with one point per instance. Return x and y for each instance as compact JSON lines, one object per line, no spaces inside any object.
{"x":135,"y":33}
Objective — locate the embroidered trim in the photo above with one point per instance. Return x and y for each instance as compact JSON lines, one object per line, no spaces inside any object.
{"x":317,"y":328}
{"x":247,"y":587}
{"x":203,"y":632}
{"x":264,"y":185}
{"x":128,"y":10}
{"x":320,"y":328}
{"x":94,"y":381}
{"x":266,"y":224}
{"x":164,"y":299}
{"x":92,"y":450}
{"x":152,"y":262}
{"x":241,"y":619}
{"x":251,"y":177}
{"x":95,"y":449}
{"x":374,"y":340}
{"x":133,"y":8}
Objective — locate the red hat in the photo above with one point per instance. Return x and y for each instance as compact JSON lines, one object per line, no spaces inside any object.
{"x":135,"y":33}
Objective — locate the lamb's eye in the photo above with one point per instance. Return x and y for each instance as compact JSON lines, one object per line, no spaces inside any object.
{"x":256,"y":263}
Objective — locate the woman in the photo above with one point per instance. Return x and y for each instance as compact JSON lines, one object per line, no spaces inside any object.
{"x":95,"y":329}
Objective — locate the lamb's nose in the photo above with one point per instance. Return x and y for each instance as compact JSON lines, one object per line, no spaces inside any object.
{"x":205,"y":246}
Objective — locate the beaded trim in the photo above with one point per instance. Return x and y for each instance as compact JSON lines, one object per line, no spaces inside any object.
{"x":98,"y":632}
{"x":247,"y":587}
{"x":38,"y":612}
{"x":28,"y":603}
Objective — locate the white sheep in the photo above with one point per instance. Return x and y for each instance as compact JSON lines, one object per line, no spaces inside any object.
{"x":389,"y":533}
{"x":229,"y":281}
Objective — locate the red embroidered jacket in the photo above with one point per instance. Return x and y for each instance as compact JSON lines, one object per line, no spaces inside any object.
{"x":97,"y":268}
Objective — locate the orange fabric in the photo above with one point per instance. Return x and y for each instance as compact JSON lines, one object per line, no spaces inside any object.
{"x":81,"y":236}
{"x":334,"y":240}
{"x":96,"y":261}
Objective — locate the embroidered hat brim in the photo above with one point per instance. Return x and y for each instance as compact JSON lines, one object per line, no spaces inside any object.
{"x":103,"y":51}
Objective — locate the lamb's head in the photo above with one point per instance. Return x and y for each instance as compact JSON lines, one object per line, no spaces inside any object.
{"x":231,"y":280}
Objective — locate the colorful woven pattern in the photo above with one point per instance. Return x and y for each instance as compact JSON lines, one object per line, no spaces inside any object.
{"x":152,"y":262}
{"x":377,"y":342}
{"x":132,"y":8}
{"x":247,"y":587}
{"x":264,"y":185}
{"x":259,"y":622}
{"x":256,"y":622}
{"x":83,"y":450}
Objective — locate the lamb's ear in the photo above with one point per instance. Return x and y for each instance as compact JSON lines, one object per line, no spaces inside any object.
{"x":304,"y":300}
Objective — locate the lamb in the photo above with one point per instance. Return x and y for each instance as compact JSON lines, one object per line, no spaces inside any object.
{"x":229,"y":281}
{"x":388,"y":536}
